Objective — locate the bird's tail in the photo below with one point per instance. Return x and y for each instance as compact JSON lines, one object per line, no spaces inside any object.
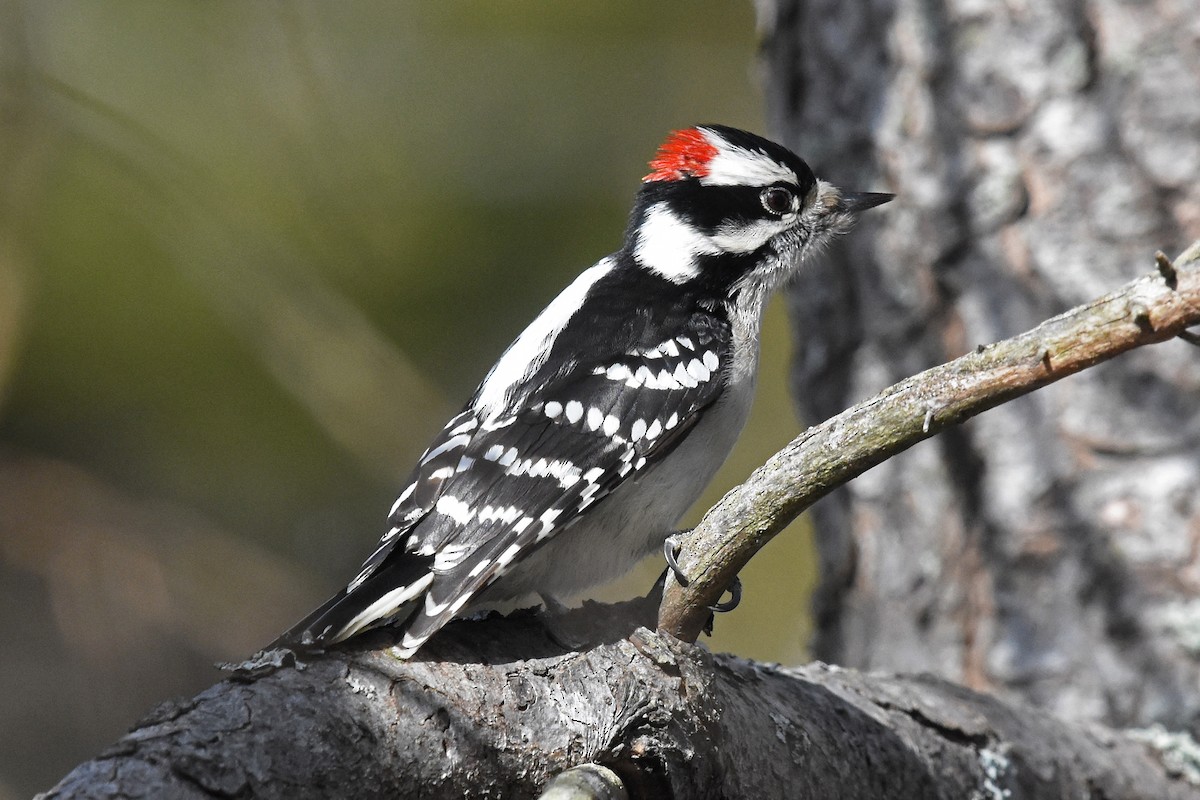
{"x":388,"y":596}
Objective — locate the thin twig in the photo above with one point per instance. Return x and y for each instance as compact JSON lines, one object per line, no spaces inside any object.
{"x":1151,"y":309}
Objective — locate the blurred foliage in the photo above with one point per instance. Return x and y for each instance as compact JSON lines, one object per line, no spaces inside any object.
{"x":251,"y":257}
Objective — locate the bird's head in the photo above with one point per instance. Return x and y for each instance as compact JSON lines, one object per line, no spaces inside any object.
{"x":728,"y":208}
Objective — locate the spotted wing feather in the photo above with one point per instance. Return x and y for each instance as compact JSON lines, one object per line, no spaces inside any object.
{"x":487,"y":493}
{"x":623,"y":429}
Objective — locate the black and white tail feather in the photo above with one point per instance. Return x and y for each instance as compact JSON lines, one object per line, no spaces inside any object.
{"x":608,"y":415}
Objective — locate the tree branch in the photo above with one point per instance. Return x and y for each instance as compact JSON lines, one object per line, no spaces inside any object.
{"x":668,"y":718}
{"x":1151,"y":309}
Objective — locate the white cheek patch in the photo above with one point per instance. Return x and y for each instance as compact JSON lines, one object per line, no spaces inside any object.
{"x":748,"y":238}
{"x":669,"y":246}
{"x":735,"y":166}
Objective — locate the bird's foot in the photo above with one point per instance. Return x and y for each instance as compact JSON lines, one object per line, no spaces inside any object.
{"x":671,"y":551}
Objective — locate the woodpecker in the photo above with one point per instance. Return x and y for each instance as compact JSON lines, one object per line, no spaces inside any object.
{"x":606,"y":418}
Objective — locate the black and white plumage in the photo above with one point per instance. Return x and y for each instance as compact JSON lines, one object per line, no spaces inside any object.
{"x":609,"y":414}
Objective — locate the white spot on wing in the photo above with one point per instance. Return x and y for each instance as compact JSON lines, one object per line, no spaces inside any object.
{"x":711,"y":361}
{"x":505,"y":514}
{"x":450,"y":556}
{"x":496,"y":423}
{"x":553,"y":409}
{"x":611,"y":425}
{"x":617,"y":372}
{"x":508,"y":555}
{"x":452,"y":507}
{"x":595,"y":418}
{"x":681,"y":375}
{"x":449,"y":444}
{"x":574,"y":411}
{"x":565,"y":472}
{"x":639,"y":429}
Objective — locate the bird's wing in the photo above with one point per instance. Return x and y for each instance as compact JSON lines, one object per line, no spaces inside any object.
{"x":489,"y":492}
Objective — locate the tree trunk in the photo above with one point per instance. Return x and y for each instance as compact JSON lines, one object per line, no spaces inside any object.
{"x":1048,"y":549}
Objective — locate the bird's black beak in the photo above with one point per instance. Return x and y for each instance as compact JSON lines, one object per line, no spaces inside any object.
{"x":855,"y":202}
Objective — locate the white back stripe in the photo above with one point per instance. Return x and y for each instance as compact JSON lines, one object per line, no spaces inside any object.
{"x":530,"y":349}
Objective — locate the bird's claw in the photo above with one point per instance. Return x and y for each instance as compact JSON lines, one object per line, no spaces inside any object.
{"x":735,"y":598}
{"x":670,"y":550}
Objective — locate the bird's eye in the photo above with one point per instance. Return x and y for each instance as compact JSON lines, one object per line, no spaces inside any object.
{"x":777,"y":200}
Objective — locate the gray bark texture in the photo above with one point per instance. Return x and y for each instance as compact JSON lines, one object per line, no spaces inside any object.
{"x":1048,"y":550}
{"x":671,"y":720}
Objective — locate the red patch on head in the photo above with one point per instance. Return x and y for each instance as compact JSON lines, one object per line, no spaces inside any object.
{"x":685,"y":154}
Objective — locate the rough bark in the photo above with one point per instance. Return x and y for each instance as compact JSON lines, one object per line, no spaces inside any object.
{"x":672,"y":720}
{"x":1048,"y":549}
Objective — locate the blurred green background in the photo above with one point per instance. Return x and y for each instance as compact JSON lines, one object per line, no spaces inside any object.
{"x":252,"y":255}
